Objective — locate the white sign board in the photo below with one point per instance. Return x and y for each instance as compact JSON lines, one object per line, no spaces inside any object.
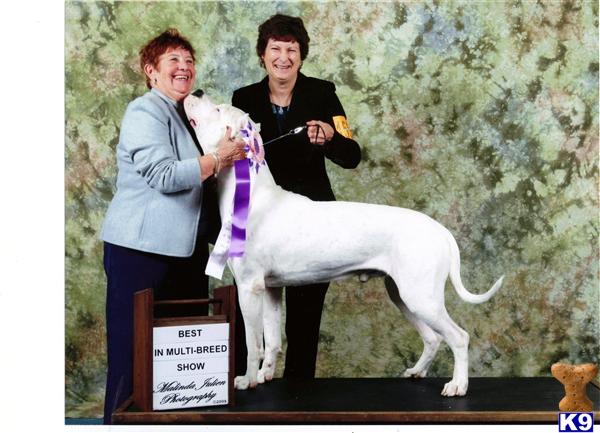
{"x":190,"y":366}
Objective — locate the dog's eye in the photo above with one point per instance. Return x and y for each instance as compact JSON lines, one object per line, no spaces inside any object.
{"x":218,"y":111}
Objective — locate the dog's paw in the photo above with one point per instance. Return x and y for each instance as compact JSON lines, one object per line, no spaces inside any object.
{"x":262,"y":377}
{"x":243,"y":382}
{"x":266,"y":373}
{"x":414,"y":373}
{"x":455,"y":388}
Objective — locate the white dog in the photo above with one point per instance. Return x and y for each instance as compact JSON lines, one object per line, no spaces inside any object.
{"x":292,"y":240}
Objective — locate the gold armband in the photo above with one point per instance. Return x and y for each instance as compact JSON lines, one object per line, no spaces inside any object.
{"x":341,"y":126}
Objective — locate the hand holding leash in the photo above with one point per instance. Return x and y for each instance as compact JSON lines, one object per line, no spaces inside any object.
{"x":319,"y":132}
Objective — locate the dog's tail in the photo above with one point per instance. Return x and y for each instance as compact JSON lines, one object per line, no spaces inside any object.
{"x":457,"y":282}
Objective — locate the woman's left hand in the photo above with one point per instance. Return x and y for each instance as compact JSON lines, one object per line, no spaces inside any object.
{"x":319,"y":132}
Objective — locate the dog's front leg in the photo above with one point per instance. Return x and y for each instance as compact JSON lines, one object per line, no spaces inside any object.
{"x":272,"y":330}
{"x":251,"y":303}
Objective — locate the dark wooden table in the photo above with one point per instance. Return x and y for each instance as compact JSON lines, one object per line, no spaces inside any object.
{"x":385,"y":400}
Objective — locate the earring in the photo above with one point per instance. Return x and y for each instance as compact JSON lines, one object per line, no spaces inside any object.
{"x":155,"y":80}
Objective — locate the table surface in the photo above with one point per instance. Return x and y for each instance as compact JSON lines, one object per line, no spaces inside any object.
{"x":378,"y":400}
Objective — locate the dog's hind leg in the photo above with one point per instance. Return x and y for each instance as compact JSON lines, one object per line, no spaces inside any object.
{"x":431,"y":339}
{"x":458,"y":340}
{"x":272,"y":330}
{"x":251,"y":304}
{"x":435,"y":316}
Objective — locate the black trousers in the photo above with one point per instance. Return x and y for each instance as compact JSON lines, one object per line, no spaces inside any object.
{"x":128,"y":271}
{"x":304,"y":307}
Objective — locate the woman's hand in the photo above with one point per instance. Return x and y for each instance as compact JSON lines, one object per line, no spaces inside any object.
{"x":319,"y":132}
{"x":228,"y":151}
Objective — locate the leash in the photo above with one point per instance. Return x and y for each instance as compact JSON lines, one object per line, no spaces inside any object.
{"x":294,"y":131}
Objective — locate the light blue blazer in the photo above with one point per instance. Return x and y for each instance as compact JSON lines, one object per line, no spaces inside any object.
{"x":156,"y":207}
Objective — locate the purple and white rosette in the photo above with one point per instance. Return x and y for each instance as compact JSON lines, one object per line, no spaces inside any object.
{"x":231,"y":241}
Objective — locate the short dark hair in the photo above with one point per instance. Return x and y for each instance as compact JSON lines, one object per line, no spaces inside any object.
{"x":282,"y":28}
{"x":169,"y":39}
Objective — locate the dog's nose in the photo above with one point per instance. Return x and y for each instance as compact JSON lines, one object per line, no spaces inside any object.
{"x":198,"y":93}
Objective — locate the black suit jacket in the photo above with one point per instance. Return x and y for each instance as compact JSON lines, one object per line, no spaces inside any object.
{"x":296,"y":164}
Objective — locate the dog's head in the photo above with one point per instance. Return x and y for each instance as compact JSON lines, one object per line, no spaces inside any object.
{"x":210,"y":121}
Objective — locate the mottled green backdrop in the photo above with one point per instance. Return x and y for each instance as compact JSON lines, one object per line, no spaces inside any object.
{"x":482,"y":115}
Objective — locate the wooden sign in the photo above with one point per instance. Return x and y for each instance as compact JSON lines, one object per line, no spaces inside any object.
{"x":190,"y":366}
{"x":180,"y":360}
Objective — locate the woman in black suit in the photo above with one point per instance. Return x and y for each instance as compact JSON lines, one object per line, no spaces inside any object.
{"x":283,"y":100}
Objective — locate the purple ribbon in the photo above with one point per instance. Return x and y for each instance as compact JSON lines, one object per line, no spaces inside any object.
{"x":241,"y":206}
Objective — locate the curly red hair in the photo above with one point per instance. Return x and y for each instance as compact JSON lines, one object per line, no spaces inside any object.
{"x":169,"y":39}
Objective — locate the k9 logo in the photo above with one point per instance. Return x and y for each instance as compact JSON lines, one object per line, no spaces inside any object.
{"x":576,"y":421}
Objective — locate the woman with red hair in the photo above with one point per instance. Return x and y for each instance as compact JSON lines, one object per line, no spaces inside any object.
{"x":163,"y":213}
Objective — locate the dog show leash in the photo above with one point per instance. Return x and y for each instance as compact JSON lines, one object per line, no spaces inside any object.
{"x":294,"y":131}
{"x":297,"y":131}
